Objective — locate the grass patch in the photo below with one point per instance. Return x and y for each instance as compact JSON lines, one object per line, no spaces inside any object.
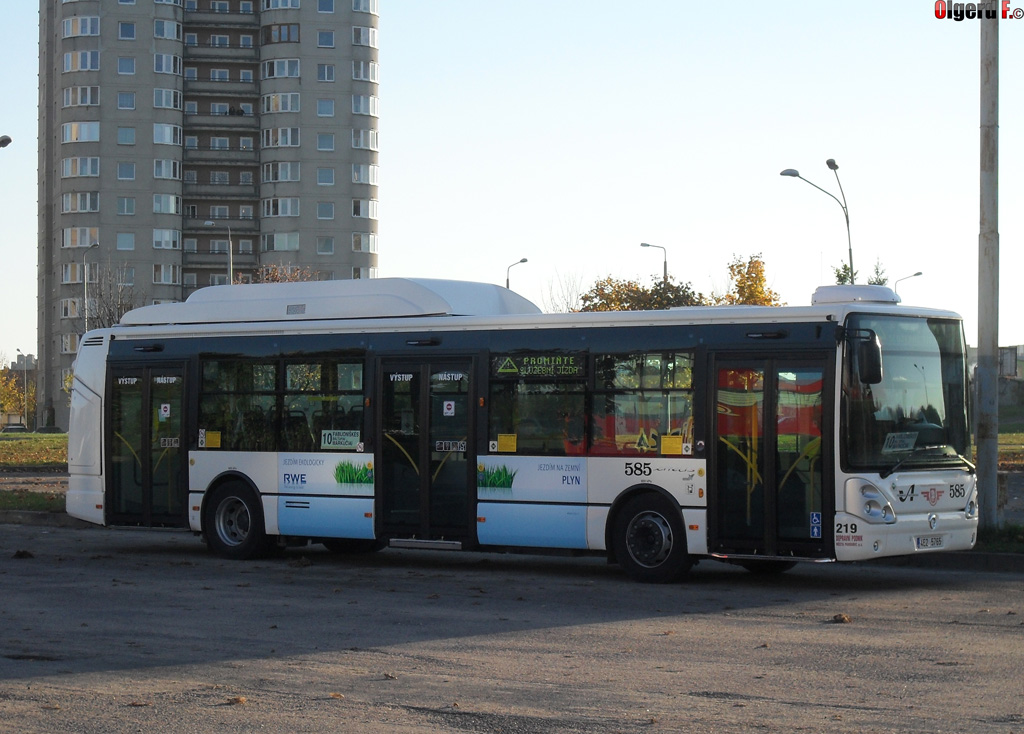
{"x":45,"y":450}
{"x":1009,"y":539}
{"x":22,"y":499}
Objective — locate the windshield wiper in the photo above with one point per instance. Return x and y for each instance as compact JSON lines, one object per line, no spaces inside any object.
{"x":896,"y":467}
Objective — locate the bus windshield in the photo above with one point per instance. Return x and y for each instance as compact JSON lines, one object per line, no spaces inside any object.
{"x":916,"y":416}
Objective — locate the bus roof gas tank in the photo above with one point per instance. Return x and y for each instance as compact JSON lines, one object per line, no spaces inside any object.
{"x":826,"y":294}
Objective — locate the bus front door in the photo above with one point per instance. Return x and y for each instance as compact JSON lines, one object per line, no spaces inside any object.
{"x":768,"y":491}
{"x":424,"y":462}
{"x":146,"y":481}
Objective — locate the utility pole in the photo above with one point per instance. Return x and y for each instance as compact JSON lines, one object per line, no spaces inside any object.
{"x":987,"y":382}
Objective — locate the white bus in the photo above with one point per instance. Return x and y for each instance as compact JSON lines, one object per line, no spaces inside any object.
{"x":452,"y":415}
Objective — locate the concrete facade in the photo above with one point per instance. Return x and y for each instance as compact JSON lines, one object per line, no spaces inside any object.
{"x":183,"y":142}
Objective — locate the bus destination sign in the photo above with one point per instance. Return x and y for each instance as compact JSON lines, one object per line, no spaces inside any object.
{"x":539,"y":364}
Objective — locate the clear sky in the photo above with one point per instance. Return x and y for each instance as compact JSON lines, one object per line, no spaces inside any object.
{"x":570,"y":131}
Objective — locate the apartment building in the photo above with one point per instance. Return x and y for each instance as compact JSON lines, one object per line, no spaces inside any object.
{"x":186,"y":143}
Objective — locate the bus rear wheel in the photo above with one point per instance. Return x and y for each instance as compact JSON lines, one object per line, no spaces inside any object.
{"x":233,"y":522}
{"x":649,"y":540}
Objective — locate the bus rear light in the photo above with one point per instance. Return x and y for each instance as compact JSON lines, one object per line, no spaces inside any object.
{"x":694,"y":527}
{"x":368,"y":515}
{"x":481,"y":519}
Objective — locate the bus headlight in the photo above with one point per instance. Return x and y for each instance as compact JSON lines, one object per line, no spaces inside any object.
{"x":874,"y":505}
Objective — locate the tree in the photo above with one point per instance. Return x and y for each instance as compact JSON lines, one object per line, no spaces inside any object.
{"x":564,"y":294}
{"x":13,"y":393}
{"x":748,"y":284}
{"x":610,"y":294}
{"x":111,"y":296}
{"x":842,"y":273}
{"x":281,"y":273}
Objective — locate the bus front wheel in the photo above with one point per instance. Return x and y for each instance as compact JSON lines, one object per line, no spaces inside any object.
{"x":233,"y":522}
{"x":649,"y":540}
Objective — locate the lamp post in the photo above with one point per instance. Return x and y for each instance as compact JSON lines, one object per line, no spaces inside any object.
{"x":85,"y":280}
{"x":834,"y":167}
{"x":664,"y":264}
{"x":5,"y":140}
{"x":896,"y":283}
{"x":231,"y":252}
{"x":24,"y":380}
{"x":509,"y":268}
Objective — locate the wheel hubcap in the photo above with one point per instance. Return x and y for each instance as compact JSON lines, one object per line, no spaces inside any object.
{"x":649,"y":539}
{"x":233,"y":521}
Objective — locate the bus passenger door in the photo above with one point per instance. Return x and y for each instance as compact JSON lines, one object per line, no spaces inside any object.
{"x":770,"y":493}
{"x":424,"y":461}
{"x":146,"y":482}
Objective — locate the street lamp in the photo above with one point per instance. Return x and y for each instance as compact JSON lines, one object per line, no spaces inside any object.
{"x":85,"y":280}
{"x":834,"y":167}
{"x":664,"y":265}
{"x":231,"y":252}
{"x":5,"y":140}
{"x":896,"y":283}
{"x":517,"y":262}
{"x":24,"y":380}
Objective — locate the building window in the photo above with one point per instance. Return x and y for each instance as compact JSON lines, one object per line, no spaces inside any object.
{"x":125,"y":64}
{"x":82,"y":201}
{"x":220,"y":178}
{"x":188,"y":280}
{"x":125,"y":171}
{"x":324,"y":245}
{"x":169,"y":99}
{"x":126,"y":100}
{"x":325,"y":39}
{"x":280,"y":68}
{"x":325,"y":6}
{"x":245,"y":41}
{"x":126,"y":206}
{"x":364,"y":242}
{"x":69,"y":308}
{"x":219,"y":143}
{"x":364,"y":139}
{"x":166,"y":64}
{"x":245,"y":143}
{"x":80,"y":132}
{"x":280,"y":242}
{"x":219,"y":108}
{"x":126,"y":31}
{"x":325,"y":210}
{"x":218,"y":279}
{"x":79,"y":167}
{"x":245,"y":178}
{"x":82,"y":61}
{"x":365,"y":6}
{"x":365,"y":104}
{"x":325,"y":108}
{"x":280,"y":33}
{"x":325,"y":141}
{"x":280,"y":4}
{"x":245,"y":7}
{"x":364,"y":173}
{"x":285,"y":171}
{"x":191,"y":142}
{"x":365,"y":71}
{"x":80,"y":236}
{"x":191,"y":73}
{"x":219,"y":40}
{"x":125,"y":240}
{"x":286,"y":207}
{"x":166,"y":204}
{"x":325,"y":72}
{"x":364,"y":208}
{"x":279,"y":102}
{"x":167,"y":29}
{"x":190,"y":244}
{"x":219,"y":6}
{"x":69,"y":343}
{"x":126,"y":136}
{"x":219,"y":211}
{"x":166,"y":134}
{"x":245,"y":211}
{"x":219,"y":247}
{"x":280,"y":137}
{"x":364,"y":36}
{"x":191,"y":39}
{"x":81,"y":96}
{"x":325,"y":176}
{"x":81,"y":26}
{"x":245,"y":247}
{"x":245,"y":75}
{"x":166,"y":239}
{"x":363,"y":273}
{"x":220,"y":75}
{"x":167,"y":274}
{"x":166,"y":168}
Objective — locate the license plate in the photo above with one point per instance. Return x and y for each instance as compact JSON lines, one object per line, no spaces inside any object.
{"x":924,"y":542}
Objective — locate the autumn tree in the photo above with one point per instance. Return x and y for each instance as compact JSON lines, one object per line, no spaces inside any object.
{"x":611,"y":294}
{"x":281,"y":273}
{"x":13,"y":393}
{"x":748,"y":284}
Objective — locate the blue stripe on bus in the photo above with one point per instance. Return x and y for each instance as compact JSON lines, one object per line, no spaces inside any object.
{"x":325,"y":517}
{"x":532,"y":525}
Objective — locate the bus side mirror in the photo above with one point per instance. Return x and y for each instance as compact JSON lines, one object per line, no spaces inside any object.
{"x":869,"y":359}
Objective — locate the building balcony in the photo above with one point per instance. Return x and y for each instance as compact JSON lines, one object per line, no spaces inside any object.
{"x":204,"y":18}
{"x":222,"y":156}
{"x":197,"y":225}
{"x":221,"y":53}
{"x":226,"y":121}
{"x":217,"y":86}
{"x":219,"y":260}
{"x":219,"y":191}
